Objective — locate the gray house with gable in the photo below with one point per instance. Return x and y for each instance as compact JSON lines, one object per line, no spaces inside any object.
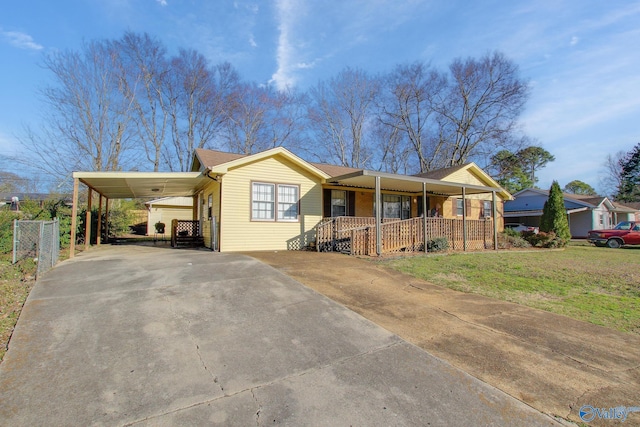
{"x":583,"y":212}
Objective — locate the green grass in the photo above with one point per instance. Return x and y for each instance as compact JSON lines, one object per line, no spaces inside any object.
{"x":598,"y":285}
{"x":16,"y":280}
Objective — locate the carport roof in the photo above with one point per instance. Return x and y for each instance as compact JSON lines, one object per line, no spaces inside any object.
{"x":129,"y":185}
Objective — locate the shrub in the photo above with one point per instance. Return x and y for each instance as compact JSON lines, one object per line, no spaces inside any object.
{"x":511,"y":232}
{"x":438,"y":244}
{"x":507,"y":240}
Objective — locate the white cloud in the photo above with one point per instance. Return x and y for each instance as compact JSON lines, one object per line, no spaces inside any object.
{"x":162,"y":2}
{"x":287,"y":11}
{"x":574,"y":41}
{"x":252,"y":41}
{"x":21,"y":40}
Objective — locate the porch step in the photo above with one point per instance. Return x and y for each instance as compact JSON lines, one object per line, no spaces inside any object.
{"x":189,"y":241}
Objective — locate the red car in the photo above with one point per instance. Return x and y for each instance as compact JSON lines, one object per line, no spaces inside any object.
{"x":625,"y":233}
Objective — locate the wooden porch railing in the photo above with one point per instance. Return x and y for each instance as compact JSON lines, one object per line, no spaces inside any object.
{"x":357,"y":235}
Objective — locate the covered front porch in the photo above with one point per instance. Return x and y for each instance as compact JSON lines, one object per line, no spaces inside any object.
{"x":468,"y":216}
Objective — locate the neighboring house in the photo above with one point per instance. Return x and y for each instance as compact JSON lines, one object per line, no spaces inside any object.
{"x":13,"y":200}
{"x":583,"y":212}
{"x":627,"y":211}
{"x":274,"y":200}
{"x":166,"y":209}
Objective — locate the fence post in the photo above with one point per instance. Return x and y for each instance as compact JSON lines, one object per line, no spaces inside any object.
{"x":16,"y":237}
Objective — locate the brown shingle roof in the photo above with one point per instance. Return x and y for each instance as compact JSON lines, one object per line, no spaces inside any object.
{"x":594,"y":200}
{"x":334,"y":170}
{"x":211,"y":158}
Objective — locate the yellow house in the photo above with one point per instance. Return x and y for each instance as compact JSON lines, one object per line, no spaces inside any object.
{"x":275,"y":200}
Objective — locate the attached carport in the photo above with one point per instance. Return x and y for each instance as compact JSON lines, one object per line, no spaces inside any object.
{"x":130,"y":185}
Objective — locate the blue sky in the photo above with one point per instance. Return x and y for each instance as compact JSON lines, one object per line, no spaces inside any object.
{"x":582,"y":57}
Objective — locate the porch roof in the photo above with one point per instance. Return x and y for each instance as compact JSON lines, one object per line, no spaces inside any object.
{"x":411,"y":184}
{"x":130,"y":185}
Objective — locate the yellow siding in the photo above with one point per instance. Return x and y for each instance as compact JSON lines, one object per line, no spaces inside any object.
{"x":463,"y":176}
{"x":238,"y":232}
{"x":165,"y":214}
{"x":214,"y":189}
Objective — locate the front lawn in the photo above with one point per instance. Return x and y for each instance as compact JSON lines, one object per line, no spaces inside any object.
{"x":598,"y":285}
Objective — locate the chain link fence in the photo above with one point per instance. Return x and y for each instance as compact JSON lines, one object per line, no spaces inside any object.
{"x":37,"y":239}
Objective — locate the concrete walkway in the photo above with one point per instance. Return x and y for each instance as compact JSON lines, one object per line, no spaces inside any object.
{"x":553,"y":363}
{"x":132,"y":335}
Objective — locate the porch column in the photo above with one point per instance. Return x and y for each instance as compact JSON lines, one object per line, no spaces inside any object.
{"x":106,"y":219}
{"x":495,"y":220}
{"x":378,"y":218}
{"x":464,"y":219}
{"x":99,"y":234}
{"x":74,"y":212}
{"x":424,"y":214}
{"x":87,"y":221}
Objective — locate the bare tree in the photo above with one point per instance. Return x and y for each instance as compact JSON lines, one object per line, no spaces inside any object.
{"x":144,"y":71}
{"x":408,"y":108}
{"x":339,"y":112}
{"x":195,"y":106}
{"x":246,"y":119}
{"x":611,"y":174}
{"x":479,"y":112}
{"x":87,"y":124}
{"x":393,"y":153}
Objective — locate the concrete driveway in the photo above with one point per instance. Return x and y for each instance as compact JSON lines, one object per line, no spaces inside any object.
{"x":132,"y":335}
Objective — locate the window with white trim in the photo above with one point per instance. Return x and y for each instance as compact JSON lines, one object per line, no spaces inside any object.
{"x":287,"y":202}
{"x":263,"y":199}
{"x":274,"y":202}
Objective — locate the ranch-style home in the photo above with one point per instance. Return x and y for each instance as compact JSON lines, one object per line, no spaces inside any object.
{"x":584,"y":213}
{"x":275,"y":200}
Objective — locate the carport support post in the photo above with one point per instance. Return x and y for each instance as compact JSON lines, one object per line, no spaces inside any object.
{"x":464,"y":219}
{"x":87,"y":222}
{"x":495,"y":220}
{"x":424,"y":214}
{"x":106,"y":219}
{"x":378,"y":218}
{"x":74,"y":213}
{"x":99,"y":220}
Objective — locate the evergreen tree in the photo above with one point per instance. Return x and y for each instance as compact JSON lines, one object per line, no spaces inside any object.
{"x":629,"y":188}
{"x":554,"y":215}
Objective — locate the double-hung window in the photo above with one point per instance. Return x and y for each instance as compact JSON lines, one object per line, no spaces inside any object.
{"x":487,"y":209}
{"x":338,"y":203}
{"x":287,"y":202}
{"x":274,"y":202}
{"x":459,"y":207}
